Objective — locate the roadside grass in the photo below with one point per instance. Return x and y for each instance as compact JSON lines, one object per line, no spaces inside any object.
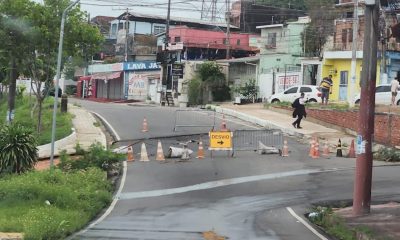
{"x":335,"y":225}
{"x":52,"y":205}
{"x":387,"y":154}
{"x":23,"y":107}
{"x":330,"y":106}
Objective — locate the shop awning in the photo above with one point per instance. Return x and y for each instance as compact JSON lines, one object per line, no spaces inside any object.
{"x":106,"y":76}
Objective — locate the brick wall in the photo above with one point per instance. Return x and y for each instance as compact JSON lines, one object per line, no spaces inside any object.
{"x":387,"y":126}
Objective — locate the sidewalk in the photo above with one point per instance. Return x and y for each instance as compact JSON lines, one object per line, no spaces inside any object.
{"x":85,"y":133}
{"x":256,"y":113}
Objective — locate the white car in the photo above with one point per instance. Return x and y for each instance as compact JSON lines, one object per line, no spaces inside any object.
{"x":311,"y":93}
{"x":383,"y":95}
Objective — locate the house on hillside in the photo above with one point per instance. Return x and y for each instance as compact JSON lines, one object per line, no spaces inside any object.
{"x":337,"y":57}
{"x":247,"y":15}
{"x":280,"y":56}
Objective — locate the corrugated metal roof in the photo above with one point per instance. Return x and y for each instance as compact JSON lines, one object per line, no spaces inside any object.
{"x":176,"y":19}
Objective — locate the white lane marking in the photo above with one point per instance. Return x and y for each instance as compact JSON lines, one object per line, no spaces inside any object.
{"x":292,"y":212}
{"x":219,"y":183}
{"x":112,"y":205}
{"x":121,"y":186}
{"x":109,"y":125}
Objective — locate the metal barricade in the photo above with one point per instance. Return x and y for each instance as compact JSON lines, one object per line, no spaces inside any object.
{"x":194,"y":118}
{"x":248,"y":140}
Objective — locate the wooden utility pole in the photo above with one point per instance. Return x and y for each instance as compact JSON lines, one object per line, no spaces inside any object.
{"x":126,"y":35}
{"x":228,"y":29}
{"x":363,"y":174}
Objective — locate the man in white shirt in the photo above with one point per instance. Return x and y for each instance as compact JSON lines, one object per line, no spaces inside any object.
{"x":394,"y":88}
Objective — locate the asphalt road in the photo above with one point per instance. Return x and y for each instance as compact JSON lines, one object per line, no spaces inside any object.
{"x":244,"y":197}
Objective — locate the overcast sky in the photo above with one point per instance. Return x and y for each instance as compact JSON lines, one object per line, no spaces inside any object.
{"x":190,"y":8}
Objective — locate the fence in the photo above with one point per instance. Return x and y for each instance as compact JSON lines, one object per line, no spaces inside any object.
{"x":248,"y":140}
{"x":194,"y":118}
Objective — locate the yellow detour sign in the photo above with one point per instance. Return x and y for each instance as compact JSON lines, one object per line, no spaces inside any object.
{"x":220,"y":140}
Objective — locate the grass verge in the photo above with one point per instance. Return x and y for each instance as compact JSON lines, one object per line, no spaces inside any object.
{"x":52,"y":205}
{"x":23,"y":106}
{"x":335,"y":225}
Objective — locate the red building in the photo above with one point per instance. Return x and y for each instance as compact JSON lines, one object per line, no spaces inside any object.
{"x":211,"y":44}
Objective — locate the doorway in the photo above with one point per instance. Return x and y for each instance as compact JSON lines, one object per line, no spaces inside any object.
{"x":344,"y":75}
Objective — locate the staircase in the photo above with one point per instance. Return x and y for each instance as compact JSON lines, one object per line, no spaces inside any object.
{"x":170,"y":99}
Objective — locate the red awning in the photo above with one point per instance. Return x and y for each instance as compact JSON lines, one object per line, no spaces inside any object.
{"x":85,"y":78}
{"x":106,"y":76}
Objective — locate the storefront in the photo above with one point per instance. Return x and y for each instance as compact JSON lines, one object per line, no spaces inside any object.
{"x":142,"y":81}
{"x":86,"y":87}
{"x":106,"y":81}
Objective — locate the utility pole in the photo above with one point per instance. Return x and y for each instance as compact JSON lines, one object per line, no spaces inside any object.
{"x":228,"y":29}
{"x":126,"y":35}
{"x":58,"y":74}
{"x":165,"y":59}
{"x":363,"y":173}
{"x":353,"y":68}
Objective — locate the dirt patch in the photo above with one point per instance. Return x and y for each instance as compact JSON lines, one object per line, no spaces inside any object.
{"x":211,"y":235}
{"x":11,"y":236}
{"x":45,"y":164}
{"x":383,"y":220}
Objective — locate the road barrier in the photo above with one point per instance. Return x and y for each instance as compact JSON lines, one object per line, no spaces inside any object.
{"x":194,"y":118}
{"x":249,"y":140}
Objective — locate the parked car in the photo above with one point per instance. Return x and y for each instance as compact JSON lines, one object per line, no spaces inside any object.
{"x":311,"y":93}
{"x":383,"y":95}
{"x":51,"y":91}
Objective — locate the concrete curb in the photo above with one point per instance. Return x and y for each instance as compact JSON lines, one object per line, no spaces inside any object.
{"x":44,"y":150}
{"x":256,"y":120}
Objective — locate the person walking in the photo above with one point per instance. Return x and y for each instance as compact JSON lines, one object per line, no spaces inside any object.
{"x":326,"y":89}
{"x":299,"y":110}
{"x":394,"y":87}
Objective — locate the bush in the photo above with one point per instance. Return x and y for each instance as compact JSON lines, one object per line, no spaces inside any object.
{"x":222,"y":93}
{"x":18,"y":152}
{"x":388,"y":155}
{"x":52,"y":205}
{"x":195,"y":92}
{"x":96,"y":156}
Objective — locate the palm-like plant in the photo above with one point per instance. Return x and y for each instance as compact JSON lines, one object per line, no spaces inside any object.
{"x":18,"y":152}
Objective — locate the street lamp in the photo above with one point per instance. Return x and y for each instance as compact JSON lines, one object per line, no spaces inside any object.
{"x":60,"y":45}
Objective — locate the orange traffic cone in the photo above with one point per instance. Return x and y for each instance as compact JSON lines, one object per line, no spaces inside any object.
{"x":223,"y":124}
{"x":352,"y":151}
{"x":285,"y":150}
{"x":200,"y":153}
{"x":145,"y":126}
{"x":160,"y":153}
{"x":130,"y":155}
{"x":143,"y":154}
{"x":325,"y":153}
{"x":312,"y":146}
{"x":316,"y":150}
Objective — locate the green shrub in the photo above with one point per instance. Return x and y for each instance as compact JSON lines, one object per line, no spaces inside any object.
{"x":52,"y":205}
{"x":96,"y":156}
{"x":195,"y":97}
{"x":18,"y":152}
{"x":221,"y":93}
{"x":388,"y":155}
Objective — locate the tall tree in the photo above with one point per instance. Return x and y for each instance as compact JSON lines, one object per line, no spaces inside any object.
{"x":13,"y":36}
{"x":41,"y":42}
{"x":315,"y":35}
